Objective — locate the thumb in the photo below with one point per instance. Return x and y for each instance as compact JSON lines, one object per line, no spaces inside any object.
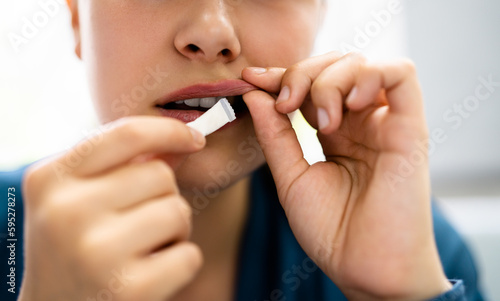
{"x":278,"y":140}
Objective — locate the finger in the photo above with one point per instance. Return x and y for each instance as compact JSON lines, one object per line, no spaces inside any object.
{"x":399,"y":80}
{"x":152,"y":225}
{"x":131,"y":184}
{"x":367,"y":88}
{"x":277,"y":139}
{"x":390,"y":88}
{"x":130,"y":137}
{"x":268,"y":79}
{"x":331,"y":87}
{"x":298,"y":79}
{"x":295,"y":81}
{"x":165,"y":273}
{"x":173,"y":160}
{"x":379,"y":89}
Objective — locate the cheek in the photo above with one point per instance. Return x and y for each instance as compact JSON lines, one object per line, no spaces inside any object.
{"x":279,"y":39}
{"x":120,"y":52}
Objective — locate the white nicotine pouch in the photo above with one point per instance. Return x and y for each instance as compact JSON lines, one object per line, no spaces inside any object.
{"x":215,"y":118}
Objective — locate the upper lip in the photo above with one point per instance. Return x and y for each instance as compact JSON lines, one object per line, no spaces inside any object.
{"x":228,"y":87}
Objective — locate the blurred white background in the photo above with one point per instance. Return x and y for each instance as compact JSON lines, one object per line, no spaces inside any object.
{"x":45,"y":106}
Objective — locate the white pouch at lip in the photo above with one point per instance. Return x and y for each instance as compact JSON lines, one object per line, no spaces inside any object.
{"x":215,"y":118}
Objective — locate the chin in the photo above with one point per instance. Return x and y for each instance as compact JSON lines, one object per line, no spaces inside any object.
{"x":229,"y":156}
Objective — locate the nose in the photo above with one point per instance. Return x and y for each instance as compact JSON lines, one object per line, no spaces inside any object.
{"x":208,"y":35}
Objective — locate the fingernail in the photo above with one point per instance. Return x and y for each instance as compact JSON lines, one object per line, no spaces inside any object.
{"x":257,"y":70}
{"x":352,"y":95}
{"x":323,"y":118}
{"x":197,"y":136}
{"x":284,"y":95}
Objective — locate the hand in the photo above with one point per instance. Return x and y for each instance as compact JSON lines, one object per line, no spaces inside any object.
{"x":364,"y":215}
{"x":114,"y":225}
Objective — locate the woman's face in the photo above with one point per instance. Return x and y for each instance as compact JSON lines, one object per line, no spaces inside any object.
{"x":140,"y":54}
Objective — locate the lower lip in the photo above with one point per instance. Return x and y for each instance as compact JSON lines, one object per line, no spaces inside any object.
{"x":187,"y":116}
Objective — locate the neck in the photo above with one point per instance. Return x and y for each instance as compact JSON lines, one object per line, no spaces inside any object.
{"x":217,"y":228}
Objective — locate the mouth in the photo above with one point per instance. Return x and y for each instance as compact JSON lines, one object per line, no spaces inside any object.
{"x":189,"y":103}
{"x":203,"y":104}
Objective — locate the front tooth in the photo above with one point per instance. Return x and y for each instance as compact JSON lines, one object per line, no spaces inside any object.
{"x":193,"y":102}
{"x":179,"y":102}
{"x":208,"y":102}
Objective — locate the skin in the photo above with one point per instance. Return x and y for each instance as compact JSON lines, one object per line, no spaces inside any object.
{"x":128,"y":204}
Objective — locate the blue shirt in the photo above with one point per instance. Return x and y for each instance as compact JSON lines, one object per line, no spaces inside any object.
{"x":272,"y":265}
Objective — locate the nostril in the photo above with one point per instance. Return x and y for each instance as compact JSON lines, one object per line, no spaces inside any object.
{"x":193,"y":48}
{"x":208,"y":53}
